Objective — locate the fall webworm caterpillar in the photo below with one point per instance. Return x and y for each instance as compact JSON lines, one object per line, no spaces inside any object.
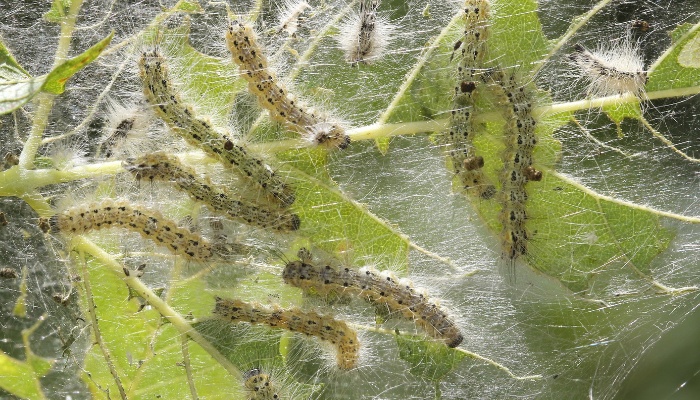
{"x":163,"y":167}
{"x":259,"y":385}
{"x":398,"y":296}
{"x":180,"y":117}
{"x":466,"y":163}
{"x":150,"y":224}
{"x":365,"y":36}
{"x":519,"y":140}
{"x":289,"y":19}
{"x":310,"y":323}
{"x":612,"y":70}
{"x":243,"y":44}
{"x":124,"y":122}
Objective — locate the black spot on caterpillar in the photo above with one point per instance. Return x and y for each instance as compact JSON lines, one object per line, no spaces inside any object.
{"x":273,"y":96}
{"x":168,"y":105}
{"x":310,"y":323}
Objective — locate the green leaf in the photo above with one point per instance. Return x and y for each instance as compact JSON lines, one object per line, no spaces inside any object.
{"x":146,"y":353}
{"x":336,"y":223}
{"x":8,"y":60}
{"x":57,"y":11}
{"x":56,"y":79}
{"x":671,"y":73}
{"x":557,"y":210}
{"x":689,"y":56}
{"x":21,"y":378}
{"x":16,"y":88}
{"x":522,"y":30}
{"x":431,"y":94}
{"x":190,"y":6}
{"x":608,"y":237}
{"x":428,"y":359}
{"x":618,"y":112}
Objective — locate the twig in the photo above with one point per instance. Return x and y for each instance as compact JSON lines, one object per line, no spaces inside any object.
{"x":188,"y":367}
{"x":95,"y":327}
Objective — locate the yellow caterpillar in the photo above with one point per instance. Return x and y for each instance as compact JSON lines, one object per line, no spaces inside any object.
{"x":259,"y":385}
{"x":120,"y":214}
{"x":273,"y":96}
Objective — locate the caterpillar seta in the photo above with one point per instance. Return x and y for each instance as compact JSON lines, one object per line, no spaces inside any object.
{"x":290,"y":17}
{"x":366,"y":35}
{"x":180,"y":117}
{"x":150,"y":224}
{"x":310,"y":323}
{"x":163,"y":167}
{"x":125,"y":128}
{"x":398,"y":296}
{"x":612,"y":70}
{"x":243,"y":44}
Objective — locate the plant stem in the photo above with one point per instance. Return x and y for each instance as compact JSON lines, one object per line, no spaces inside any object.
{"x":178,"y":321}
{"x":601,"y":102}
{"x":91,"y":307}
{"x":188,"y":368}
{"x":16,"y":182}
{"x":411,"y":76}
{"x":29,"y":354}
{"x":45,"y":100}
{"x":467,"y":353}
{"x":667,"y":142}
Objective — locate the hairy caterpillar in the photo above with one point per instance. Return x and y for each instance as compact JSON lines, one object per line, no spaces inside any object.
{"x":160,"y":92}
{"x":519,"y":140}
{"x":124,"y":122}
{"x":365,"y":36}
{"x":324,"y":327}
{"x":612,"y":70}
{"x":259,"y":385}
{"x":273,"y":96}
{"x":163,"y":167}
{"x":149,"y":223}
{"x":378,"y":288}
{"x":466,"y":163}
{"x":289,"y":19}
